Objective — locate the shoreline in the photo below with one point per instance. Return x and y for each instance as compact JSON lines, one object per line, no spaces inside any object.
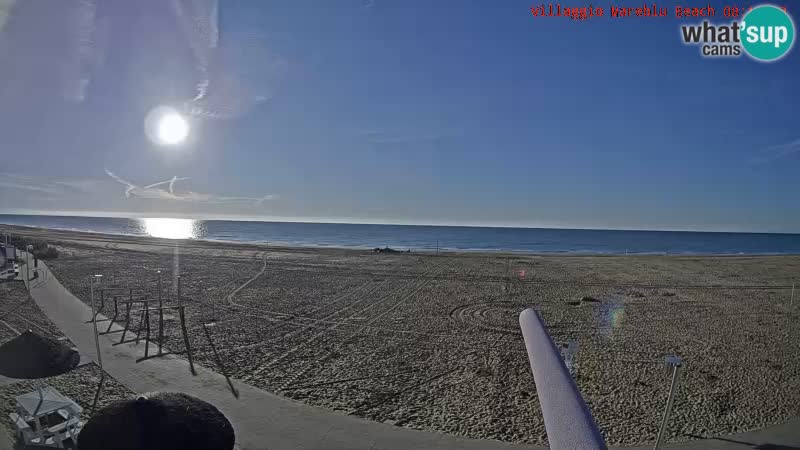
{"x":81,"y":235}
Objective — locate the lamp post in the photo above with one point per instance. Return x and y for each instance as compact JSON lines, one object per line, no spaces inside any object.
{"x":179,"y":290}
{"x":28,"y":254}
{"x":94,"y":319}
{"x":160,"y":315}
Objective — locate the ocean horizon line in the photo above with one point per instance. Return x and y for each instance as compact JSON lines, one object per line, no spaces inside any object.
{"x":306,"y":220}
{"x":425,"y":237}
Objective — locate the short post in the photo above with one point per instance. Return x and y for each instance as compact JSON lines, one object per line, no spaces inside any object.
{"x":94,"y":322}
{"x":791,"y":300}
{"x":147,"y":330}
{"x":437,"y":247}
{"x":141,"y":321}
{"x":116,"y":312}
{"x":127,"y":322}
{"x":186,"y":339}
{"x":675,"y":363}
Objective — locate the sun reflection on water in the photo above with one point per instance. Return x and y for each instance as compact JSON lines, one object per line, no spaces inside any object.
{"x":170,"y":228}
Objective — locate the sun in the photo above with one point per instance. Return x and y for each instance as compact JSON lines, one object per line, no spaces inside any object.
{"x":172,"y":129}
{"x":166,"y":126}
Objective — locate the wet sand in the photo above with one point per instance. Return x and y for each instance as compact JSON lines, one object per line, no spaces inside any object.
{"x":432,"y":342}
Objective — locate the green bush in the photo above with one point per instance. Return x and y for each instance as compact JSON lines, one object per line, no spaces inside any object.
{"x":41,"y":250}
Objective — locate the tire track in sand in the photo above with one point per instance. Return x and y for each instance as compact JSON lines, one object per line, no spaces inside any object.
{"x":325,"y":331}
{"x":419,"y":285}
{"x":229,"y":298}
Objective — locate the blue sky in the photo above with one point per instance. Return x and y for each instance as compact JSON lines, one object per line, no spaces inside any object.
{"x":436,"y":112}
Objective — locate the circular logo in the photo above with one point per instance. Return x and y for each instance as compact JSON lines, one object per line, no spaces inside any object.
{"x":767,"y":33}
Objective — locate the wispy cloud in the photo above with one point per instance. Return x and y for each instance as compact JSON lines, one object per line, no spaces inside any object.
{"x":51,"y":187}
{"x":156,"y":193}
{"x":225,"y":89}
{"x":24,"y":186}
{"x":775,"y":152}
{"x":67,"y":40}
{"x":88,"y":185}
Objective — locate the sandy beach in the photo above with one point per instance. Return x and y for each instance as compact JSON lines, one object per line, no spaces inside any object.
{"x":431,"y":341}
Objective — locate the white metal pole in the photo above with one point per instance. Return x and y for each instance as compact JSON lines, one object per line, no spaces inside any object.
{"x":791,"y":301}
{"x":94,"y":322}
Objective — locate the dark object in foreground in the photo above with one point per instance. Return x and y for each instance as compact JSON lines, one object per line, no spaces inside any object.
{"x":567,"y":419}
{"x":31,"y":356}
{"x":389,"y":250}
{"x":159,"y":420}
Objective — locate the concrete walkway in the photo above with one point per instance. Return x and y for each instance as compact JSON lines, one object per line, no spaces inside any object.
{"x":266,"y":421}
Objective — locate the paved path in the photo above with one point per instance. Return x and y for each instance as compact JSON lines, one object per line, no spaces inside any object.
{"x":266,"y":421}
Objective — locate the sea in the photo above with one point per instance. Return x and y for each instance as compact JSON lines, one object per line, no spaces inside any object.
{"x":430,"y":238}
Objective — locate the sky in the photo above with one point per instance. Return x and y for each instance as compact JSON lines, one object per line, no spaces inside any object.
{"x":388,"y":111}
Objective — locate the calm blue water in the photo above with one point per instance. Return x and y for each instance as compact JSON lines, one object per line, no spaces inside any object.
{"x":536,"y":240}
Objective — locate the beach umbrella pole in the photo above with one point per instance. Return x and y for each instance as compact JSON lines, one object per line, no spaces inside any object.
{"x":41,"y":397}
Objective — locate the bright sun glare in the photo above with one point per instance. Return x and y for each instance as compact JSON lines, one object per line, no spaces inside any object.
{"x":169,"y":228}
{"x":172,"y":129}
{"x":166,"y":126}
